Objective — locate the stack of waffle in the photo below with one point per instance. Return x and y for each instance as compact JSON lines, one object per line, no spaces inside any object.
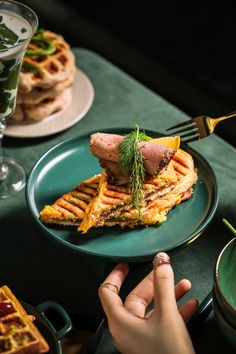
{"x":18,"y":334}
{"x":97,"y":201}
{"x":47,"y":73}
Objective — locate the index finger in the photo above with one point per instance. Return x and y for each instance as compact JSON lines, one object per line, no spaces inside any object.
{"x":111,"y":302}
{"x":164,"y":288}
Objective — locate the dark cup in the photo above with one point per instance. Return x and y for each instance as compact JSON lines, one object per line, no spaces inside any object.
{"x":46,"y":327}
{"x":228,"y":331}
{"x":225,"y":282}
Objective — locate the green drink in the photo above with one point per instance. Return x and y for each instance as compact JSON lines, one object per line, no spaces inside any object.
{"x":17,"y":25}
{"x":15,"y":32}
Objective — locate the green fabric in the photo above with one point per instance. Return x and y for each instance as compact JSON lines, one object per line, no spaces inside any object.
{"x":38,"y":269}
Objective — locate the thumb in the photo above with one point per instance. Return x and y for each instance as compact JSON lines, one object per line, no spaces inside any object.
{"x":164,"y":287}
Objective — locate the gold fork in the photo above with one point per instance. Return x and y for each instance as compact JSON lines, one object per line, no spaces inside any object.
{"x":197,"y":128}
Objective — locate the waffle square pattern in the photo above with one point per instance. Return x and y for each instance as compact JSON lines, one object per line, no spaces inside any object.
{"x":18,"y":334}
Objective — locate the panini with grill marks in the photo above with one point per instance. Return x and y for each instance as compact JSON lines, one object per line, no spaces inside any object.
{"x":161,"y":194}
{"x":96,"y":202}
{"x":156,"y":209}
{"x":70,"y":208}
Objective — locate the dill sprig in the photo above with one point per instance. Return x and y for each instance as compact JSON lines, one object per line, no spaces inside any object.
{"x":131,"y":160}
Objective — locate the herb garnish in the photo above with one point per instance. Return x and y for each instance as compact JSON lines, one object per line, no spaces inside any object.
{"x":40,"y":30}
{"x":46,"y":45}
{"x":32,"y":68}
{"x":131,"y":160}
{"x":229,"y":226}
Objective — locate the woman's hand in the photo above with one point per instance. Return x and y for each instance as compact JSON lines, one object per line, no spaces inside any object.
{"x":162,"y":330}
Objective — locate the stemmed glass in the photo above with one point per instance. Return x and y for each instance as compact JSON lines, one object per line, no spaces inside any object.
{"x":17,"y":25}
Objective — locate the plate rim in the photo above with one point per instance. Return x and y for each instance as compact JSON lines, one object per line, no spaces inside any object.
{"x":59,"y":129}
{"x":147,"y":257}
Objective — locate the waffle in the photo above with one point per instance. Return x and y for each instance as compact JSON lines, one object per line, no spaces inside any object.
{"x":42,"y":110}
{"x":51,"y":69}
{"x":18,"y":334}
{"x":70,"y":208}
{"x":18,"y":116}
{"x":37,"y":95}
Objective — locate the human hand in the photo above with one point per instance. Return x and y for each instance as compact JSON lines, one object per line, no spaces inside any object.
{"x":159,"y":331}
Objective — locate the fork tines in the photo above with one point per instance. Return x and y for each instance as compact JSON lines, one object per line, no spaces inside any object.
{"x":186,"y":123}
{"x":190,"y":138}
{"x":188,"y":131}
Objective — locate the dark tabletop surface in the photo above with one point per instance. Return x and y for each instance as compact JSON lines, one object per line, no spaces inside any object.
{"x":38,"y":269}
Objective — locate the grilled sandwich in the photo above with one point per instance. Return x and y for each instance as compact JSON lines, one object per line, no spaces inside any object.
{"x":112,"y":205}
{"x":107,"y":199}
{"x":70,"y":208}
{"x":96,"y":202}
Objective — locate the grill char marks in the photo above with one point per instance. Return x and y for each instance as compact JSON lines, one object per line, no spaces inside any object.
{"x":70,"y":208}
{"x":113,"y":206}
{"x":97,"y":201}
{"x":158,"y":204}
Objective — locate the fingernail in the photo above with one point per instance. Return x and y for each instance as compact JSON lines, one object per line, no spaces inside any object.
{"x":161,"y":258}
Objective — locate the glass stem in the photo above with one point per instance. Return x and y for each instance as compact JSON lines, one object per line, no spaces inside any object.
{"x":3,"y":167}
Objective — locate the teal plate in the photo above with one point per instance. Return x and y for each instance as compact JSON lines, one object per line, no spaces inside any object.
{"x":71,"y":162}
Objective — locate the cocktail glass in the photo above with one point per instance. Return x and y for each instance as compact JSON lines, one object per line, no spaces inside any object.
{"x":17,"y":25}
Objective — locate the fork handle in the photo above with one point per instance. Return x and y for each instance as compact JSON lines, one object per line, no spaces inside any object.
{"x":212,"y":122}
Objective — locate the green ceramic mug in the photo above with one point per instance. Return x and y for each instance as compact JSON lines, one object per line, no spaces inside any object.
{"x":225,"y":327}
{"x":225,"y":282}
{"x":45,"y":326}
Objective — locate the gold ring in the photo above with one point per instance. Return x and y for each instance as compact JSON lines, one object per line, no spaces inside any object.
{"x":110,"y":286}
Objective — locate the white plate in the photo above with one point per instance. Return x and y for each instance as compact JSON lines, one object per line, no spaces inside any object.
{"x":82,"y":98}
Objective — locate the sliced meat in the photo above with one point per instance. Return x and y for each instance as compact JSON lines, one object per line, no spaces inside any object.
{"x":115,"y":172}
{"x":155,"y":156}
{"x":106,"y":148}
